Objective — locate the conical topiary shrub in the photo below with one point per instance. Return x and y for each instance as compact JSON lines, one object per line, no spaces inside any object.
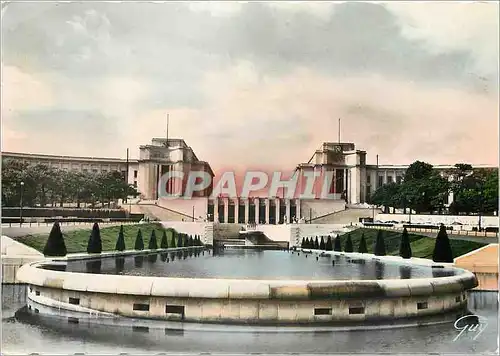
{"x":153,"y":244}
{"x":120,"y":242}
{"x":329,"y":244}
{"x":55,"y":245}
{"x":442,"y":248}
{"x":322,"y":244}
{"x":362,"y":244}
{"x":405,"y":247}
{"x":348,"y":244}
{"x":303,"y":243}
{"x":379,"y":249}
{"x":190,"y":241}
{"x":139,"y":242}
{"x":180,"y":240}
{"x":95,"y":243}
{"x":337,"y":244}
{"x":173,"y":239}
{"x":164,"y":240}
{"x":316,"y":243}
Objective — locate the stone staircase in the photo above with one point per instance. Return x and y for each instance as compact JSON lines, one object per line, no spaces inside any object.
{"x":227,"y":231}
{"x":156,"y":212}
{"x":347,"y":216}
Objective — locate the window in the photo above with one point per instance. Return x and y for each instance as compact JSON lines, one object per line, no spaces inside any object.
{"x":389,"y":179}
{"x":380,"y":181}
{"x":422,"y":305}
{"x":356,"y":310}
{"x":94,"y":170}
{"x":135,"y":174}
{"x":141,"y":329}
{"x":457,"y":299}
{"x":135,"y":183}
{"x":75,"y":301}
{"x":37,"y":292}
{"x":368,"y":179}
{"x":174,"y":309}
{"x":141,"y":307}
{"x":322,"y":311}
{"x":72,"y":320}
{"x":399,"y":179}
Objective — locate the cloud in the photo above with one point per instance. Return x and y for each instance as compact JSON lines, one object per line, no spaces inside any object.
{"x":253,"y":118}
{"x":471,"y":26}
{"x":253,"y":83}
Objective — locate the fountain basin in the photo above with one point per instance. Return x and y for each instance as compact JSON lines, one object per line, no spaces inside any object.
{"x":247,"y":301}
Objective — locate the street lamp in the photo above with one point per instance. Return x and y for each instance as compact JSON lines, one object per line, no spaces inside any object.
{"x":21,"y":206}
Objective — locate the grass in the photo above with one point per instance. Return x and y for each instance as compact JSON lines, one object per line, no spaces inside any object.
{"x":421,"y":246}
{"x":76,"y":240}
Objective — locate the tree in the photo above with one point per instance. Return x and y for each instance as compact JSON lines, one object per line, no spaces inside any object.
{"x":153,"y":244}
{"x":405,"y":247}
{"x":322,"y":244}
{"x":442,"y":248}
{"x":417,"y":171}
{"x":337,"y":246}
{"x":180,"y":240}
{"x":164,"y":240}
{"x":120,"y":242}
{"x":348,"y":244}
{"x":190,"y":241}
{"x":95,"y":243}
{"x":380,"y":244}
{"x":316,"y":243}
{"x":55,"y":246}
{"x":174,"y":238}
{"x":139,"y":242}
{"x":362,"y":244}
{"x":329,"y":244}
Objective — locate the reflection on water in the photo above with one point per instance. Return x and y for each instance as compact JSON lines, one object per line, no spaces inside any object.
{"x":441,"y":272}
{"x":254,"y":264}
{"x":152,"y":258}
{"x":93,"y":266}
{"x":404,"y":272}
{"x":379,"y":270}
{"x":138,"y":261}
{"x":119,"y":264}
{"x":36,"y":333}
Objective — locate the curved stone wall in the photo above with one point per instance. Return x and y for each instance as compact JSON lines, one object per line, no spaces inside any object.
{"x":246,"y":301}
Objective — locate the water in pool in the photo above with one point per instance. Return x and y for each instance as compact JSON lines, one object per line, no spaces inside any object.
{"x":253,"y":264}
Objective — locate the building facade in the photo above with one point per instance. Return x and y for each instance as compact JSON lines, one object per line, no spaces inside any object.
{"x":339,"y":167}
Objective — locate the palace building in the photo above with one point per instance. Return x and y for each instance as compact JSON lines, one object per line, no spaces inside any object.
{"x":352,"y":181}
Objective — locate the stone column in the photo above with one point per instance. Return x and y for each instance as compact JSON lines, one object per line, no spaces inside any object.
{"x":226,"y":209}
{"x":268,"y":206}
{"x":247,"y":209}
{"x":335,"y":183}
{"x":216,"y":209}
{"x":256,"y":201}
{"x":385,"y":177}
{"x":278,"y":217}
{"x":288,"y":217}
{"x":297,"y":209}
{"x":236,"y":210}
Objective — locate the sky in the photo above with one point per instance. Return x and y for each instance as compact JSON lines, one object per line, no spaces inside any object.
{"x":253,"y":84}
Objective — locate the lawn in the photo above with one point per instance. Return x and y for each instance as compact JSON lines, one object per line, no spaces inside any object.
{"x":76,"y":240}
{"x":421,"y":246}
